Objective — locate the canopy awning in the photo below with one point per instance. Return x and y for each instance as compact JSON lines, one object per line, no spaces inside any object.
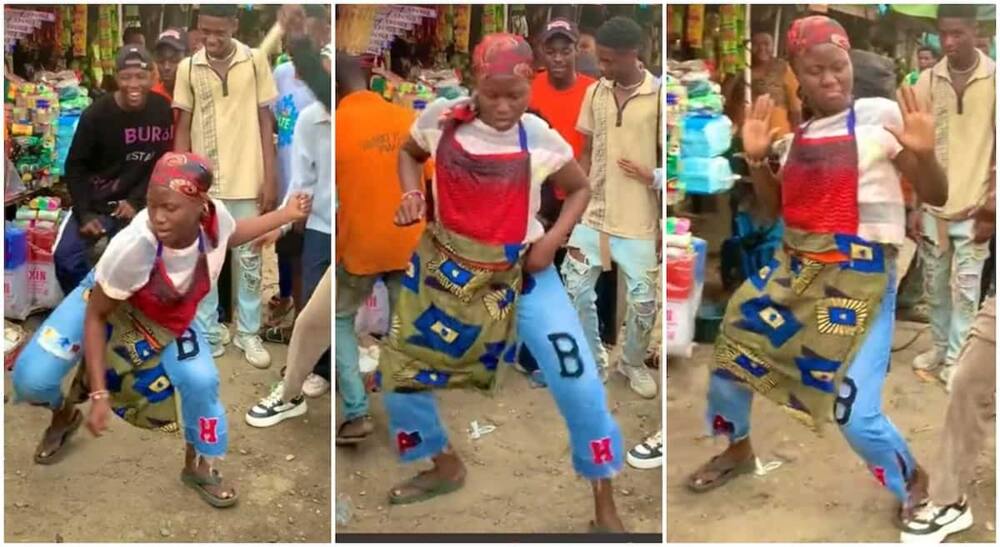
{"x":987,"y":12}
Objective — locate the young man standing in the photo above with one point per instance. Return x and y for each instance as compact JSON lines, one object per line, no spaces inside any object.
{"x":961,"y":92}
{"x":620,"y":120}
{"x":224,"y":92}
{"x":370,"y":133}
{"x":116,"y":144}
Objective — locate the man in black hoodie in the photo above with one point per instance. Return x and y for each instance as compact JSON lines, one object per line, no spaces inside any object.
{"x":116,"y":144}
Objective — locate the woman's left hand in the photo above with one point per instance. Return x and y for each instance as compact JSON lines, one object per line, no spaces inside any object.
{"x":299,"y":206}
{"x":917,"y":134}
{"x":542,"y":254}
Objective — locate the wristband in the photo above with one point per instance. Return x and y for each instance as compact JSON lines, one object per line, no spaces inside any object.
{"x":99,"y":394}
{"x":417,"y":193}
{"x":756,"y":163}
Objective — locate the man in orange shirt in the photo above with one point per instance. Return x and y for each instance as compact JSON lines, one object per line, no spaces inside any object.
{"x":370,"y":133}
{"x":557,"y":93}
{"x":171,"y":47}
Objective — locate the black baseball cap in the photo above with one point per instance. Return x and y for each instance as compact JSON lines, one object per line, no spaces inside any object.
{"x":561,"y":27}
{"x":174,"y":38}
{"x":133,"y":56}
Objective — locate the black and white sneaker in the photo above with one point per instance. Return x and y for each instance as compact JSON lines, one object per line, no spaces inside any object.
{"x":648,"y":454}
{"x":932,"y":524}
{"x":272,"y":410}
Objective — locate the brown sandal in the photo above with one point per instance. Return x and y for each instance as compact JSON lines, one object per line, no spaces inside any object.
{"x":367,"y":427}
{"x":43,"y":458}
{"x":726,"y":472}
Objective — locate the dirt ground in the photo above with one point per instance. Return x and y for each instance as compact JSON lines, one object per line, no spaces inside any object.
{"x":125,"y":486}
{"x":520,"y":479}
{"x":822,"y":492}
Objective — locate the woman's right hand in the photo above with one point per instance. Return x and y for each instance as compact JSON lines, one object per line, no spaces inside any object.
{"x":97,"y":419}
{"x":411,"y":210}
{"x":757,"y":133}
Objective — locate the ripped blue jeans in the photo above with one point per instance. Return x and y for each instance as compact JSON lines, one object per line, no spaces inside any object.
{"x":952,"y":282}
{"x":246,"y":267}
{"x":548,"y":326}
{"x":637,"y":260}
{"x":55,"y":351}
{"x":858,"y":409}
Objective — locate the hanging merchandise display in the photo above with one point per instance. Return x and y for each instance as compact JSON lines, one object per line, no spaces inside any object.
{"x":493,"y":18}
{"x":79,"y":34}
{"x":463,"y":27}
{"x":695,"y":25}
{"x":702,"y":135}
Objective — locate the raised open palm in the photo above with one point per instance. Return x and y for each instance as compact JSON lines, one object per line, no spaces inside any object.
{"x":756,"y":132}
{"x":917,"y":134}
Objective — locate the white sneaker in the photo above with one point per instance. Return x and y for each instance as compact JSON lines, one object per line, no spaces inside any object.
{"x":218,"y":350}
{"x":272,"y":409}
{"x":932,"y":524}
{"x":640,"y":380}
{"x":253,"y":350}
{"x":368,"y":359}
{"x":929,"y":360}
{"x":225,"y":337}
{"x":315,"y":385}
{"x":946,"y":375}
{"x":648,"y":454}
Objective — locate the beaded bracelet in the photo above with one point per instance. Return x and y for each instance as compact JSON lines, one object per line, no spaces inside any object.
{"x":99,"y":394}
{"x":417,"y":193}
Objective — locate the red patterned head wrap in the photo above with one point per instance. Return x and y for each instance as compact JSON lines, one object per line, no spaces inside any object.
{"x":813,"y":31}
{"x":190,"y":175}
{"x":502,"y":54}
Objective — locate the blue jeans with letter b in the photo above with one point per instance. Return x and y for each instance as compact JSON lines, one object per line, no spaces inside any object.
{"x":55,"y":351}
{"x":858,"y":409}
{"x":547,"y":324}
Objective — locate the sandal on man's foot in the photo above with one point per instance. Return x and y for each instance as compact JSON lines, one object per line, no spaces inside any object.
{"x":199,"y":482}
{"x":350,"y":438}
{"x":278,"y":335}
{"x":724,"y":472}
{"x":422,"y":487}
{"x":46,"y":452}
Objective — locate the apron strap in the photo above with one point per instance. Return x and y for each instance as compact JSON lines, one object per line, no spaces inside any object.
{"x":522,"y":136}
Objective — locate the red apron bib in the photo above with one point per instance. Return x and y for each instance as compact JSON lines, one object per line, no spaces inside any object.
{"x":819,"y":184}
{"x":483,"y":196}
{"x":160,"y":300}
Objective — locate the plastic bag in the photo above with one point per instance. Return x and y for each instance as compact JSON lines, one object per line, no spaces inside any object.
{"x":42,"y":283}
{"x":17,"y":298}
{"x":373,"y":317}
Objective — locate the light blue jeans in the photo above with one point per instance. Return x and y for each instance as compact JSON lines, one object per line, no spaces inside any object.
{"x":55,"y":351}
{"x":550,"y":328}
{"x":246,"y":265}
{"x":858,"y":408}
{"x":953,"y":281}
{"x":637,"y":260}
{"x":352,"y":291}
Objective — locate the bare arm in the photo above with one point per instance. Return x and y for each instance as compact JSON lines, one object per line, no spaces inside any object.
{"x":182,"y":136}
{"x":95,"y":342}
{"x":917,"y":161}
{"x":414,"y":206}
{"x":269,"y":191}
{"x":584,"y":159}
{"x":767,"y":187}
{"x":571,"y":180}
{"x":249,"y":229}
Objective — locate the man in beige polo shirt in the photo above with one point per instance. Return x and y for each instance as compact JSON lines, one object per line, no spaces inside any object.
{"x":224,"y":92}
{"x":961,"y":92}
{"x":619,"y":121}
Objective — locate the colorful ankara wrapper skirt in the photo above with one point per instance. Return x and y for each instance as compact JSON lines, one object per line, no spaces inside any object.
{"x":454,"y":322}
{"x":791,"y":331}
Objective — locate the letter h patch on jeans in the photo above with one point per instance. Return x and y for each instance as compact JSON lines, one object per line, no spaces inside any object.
{"x":601,"y":451}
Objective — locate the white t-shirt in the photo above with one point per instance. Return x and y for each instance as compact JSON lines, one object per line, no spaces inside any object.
{"x":549,"y":151}
{"x":125,"y":266}
{"x":881,"y":209}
